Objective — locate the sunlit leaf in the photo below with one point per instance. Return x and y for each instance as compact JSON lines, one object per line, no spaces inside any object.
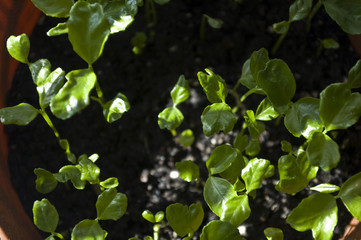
{"x":88,"y":229}
{"x":188,"y":170}
{"x":350,"y":195}
{"x":236,"y":210}
{"x":89,"y":171}
{"x":115,"y":108}
{"x":45,"y":181}
{"x":266,"y":111}
{"x":149,"y":216}
{"x":255,"y":171}
{"x":220,"y":230}
{"x":110,"y":183}
{"x":273,"y":233}
{"x":19,"y":47}
{"x":72,"y":173}
{"x":186,"y":138}
{"x":21,"y":114}
{"x":61,"y":28}
{"x":54,"y":8}
{"x":46,"y":217}
{"x":170,"y":118}
{"x":255,"y":127}
{"x":111,"y":205}
{"x":221,"y":158}
{"x":213,"y":85}
{"x":180,"y":91}
{"x":325,"y":188}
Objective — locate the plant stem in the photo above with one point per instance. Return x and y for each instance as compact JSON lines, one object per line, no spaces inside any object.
{"x":156,"y":228}
{"x":58,"y":235}
{"x":49,"y":122}
{"x":251,"y":91}
{"x":202,"y":28}
{"x":150,"y":12}
{"x":279,"y":42}
{"x":312,"y":14}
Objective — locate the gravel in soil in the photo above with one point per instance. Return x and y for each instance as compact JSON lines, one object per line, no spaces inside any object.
{"x":141,"y":155}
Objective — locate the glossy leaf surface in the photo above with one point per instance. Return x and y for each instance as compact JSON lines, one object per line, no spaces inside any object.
{"x":170,"y":118}
{"x":19,"y":47}
{"x":325,"y":188}
{"x":59,"y":29}
{"x":119,"y":15}
{"x":255,"y":127}
{"x":180,"y":91}
{"x":216,"y":192}
{"x":54,"y":8}
{"x":272,"y":233}
{"x":350,"y":195}
{"x":236,"y":210}
{"x":184,"y":219}
{"x":322,"y":151}
{"x":220,"y":230}
{"x":240,"y":142}
{"x":21,"y":114}
{"x":72,"y":173}
{"x":88,"y":229}
{"x":255,"y":171}
{"x":299,"y":10}
{"x":247,"y":78}
{"x":354,"y":75}
{"x":88,"y":30}
{"x":265,"y":111}
{"x":110,"y":183}
{"x":89,"y":171}
{"x":74,"y":95}
{"x":339,"y":108}
{"x":46,"y":217}
{"x":115,"y":108}
{"x":149,"y":216}
{"x":258,"y":62}
{"x":318,"y":213}
{"x":45,"y":181}
{"x":221,"y":158}
{"x":188,"y":170}
{"x":111,"y":205}
{"x":213,"y":85}
{"x":218,"y":117}
{"x":281,"y":27}
{"x":40,"y":70}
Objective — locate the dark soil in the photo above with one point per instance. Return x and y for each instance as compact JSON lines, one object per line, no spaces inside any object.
{"x":141,"y":155}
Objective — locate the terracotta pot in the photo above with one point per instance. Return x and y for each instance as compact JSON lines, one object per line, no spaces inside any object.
{"x":16,"y":17}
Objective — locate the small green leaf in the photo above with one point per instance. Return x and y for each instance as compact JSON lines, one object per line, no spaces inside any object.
{"x":272,"y":233}
{"x":115,"y":108}
{"x":186,"y":138}
{"x":247,"y":79}
{"x":281,"y":27}
{"x":110,"y":183}
{"x":19,"y":47}
{"x":286,"y":146}
{"x":88,"y":229}
{"x":88,"y":30}
{"x":40,"y":70}
{"x":240,"y":142}
{"x":184,"y":219}
{"x":74,"y":95}
{"x":46,"y":217}
{"x":72,"y":173}
{"x":118,"y":14}
{"x":255,"y":127}
{"x":218,"y":117}
{"x":253,"y":148}
{"x":236,"y":210}
{"x":54,"y":8}
{"x":139,"y":42}
{"x":278,"y":83}
{"x":303,"y":118}
{"x":213,"y":85}
{"x":61,"y":28}
{"x":235,"y":169}
{"x":89,"y":171}
{"x":45,"y":181}
{"x":354,"y":75}
{"x":329,"y":43}
{"x":220,"y":230}
{"x":170,"y":118}
{"x":111,"y":205}
{"x":258,"y":62}
{"x":188,"y":170}
{"x":318,"y":213}
{"x":21,"y":114}
{"x":325,"y":188}
{"x":221,"y":158}
{"x":159,"y":216}
{"x":266,"y":111}
{"x":346,"y":13}
{"x":180,"y":91}
{"x":322,"y":151}
{"x":295,"y":173}
{"x":255,"y":171}
{"x":51,"y":237}
{"x":148,"y":215}
{"x":299,"y":10}
{"x":214,"y":22}
{"x":339,"y":108}
{"x":239,"y":186}
{"x":350,"y":195}
{"x":64,"y":144}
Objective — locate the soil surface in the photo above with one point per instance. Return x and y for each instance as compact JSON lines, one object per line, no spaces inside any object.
{"x":141,"y":155}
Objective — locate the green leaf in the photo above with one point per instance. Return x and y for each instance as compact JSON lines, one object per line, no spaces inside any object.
{"x":318,"y":213}
{"x":19,"y":47}
{"x":45,"y":181}
{"x":235,"y":169}
{"x":111,"y":205}
{"x":186,"y":138}
{"x":286,"y":146}
{"x":216,"y":193}
{"x":139,"y":42}
{"x":247,"y":79}
{"x":46,"y":217}
{"x":253,"y":148}
{"x":118,"y":14}
{"x":258,"y":62}
{"x":255,"y":171}
{"x":88,"y":229}
{"x":51,"y":237}
{"x":303,"y":118}
{"x":240,"y":142}
{"x":339,"y":108}
{"x":40,"y":70}
{"x":350,"y":195}
{"x":218,"y":117}
{"x":325,"y":188}
{"x":184,"y":219}
{"x":61,"y":28}
{"x":89,"y":171}
{"x":214,"y":22}
{"x":170,"y":118}
{"x":330,"y":43}
{"x":213,"y":85}
{"x":346,"y":13}
{"x":54,"y":8}
{"x":255,"y":128}
{"x":148,"y":215}
{"x":354,"y":75}
{"x":281,"y":27}
{"x":299,"y":10}
{"x":72,"y":173}
{"x":221,"y":158}
{"x":64,"y":144}
{"x":180,"y":91}
{"x":88,"y":30}
{"x":236,"y":210}
{"x":278,"y":83}
{"x":74,"y":95}
{"x":273,"y":233}
{"x":21,"y":114}
{"x":266,"y":111}
{"x":159,"y":216}
{"x":219,"y":230}
{"x":188,"y":170}
{"x":115,"y":108}
{"x":161,"y":2}
{"x":110,"y":183}
{"x":295,"y":173}
{"x":322,"y":151}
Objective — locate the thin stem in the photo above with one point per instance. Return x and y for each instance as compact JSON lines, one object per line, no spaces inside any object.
{"x":150,"y":12}
{"x":99,"y":91}
{"x":156,"y":228}
{"x":312,"y":14}
{"x":251,"y":91}
{"x":279,"y":42}
{"x":202,"y":28}
{"x":237,"y":99}
{"x":58,"y":235}
{"x":50,"y":123}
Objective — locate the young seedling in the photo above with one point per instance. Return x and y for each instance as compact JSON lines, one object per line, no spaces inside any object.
{"x":213,"y":22}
